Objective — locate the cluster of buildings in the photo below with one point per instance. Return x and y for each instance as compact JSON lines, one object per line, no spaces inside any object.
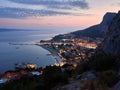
{"x":24,"y":65}
{"x":20,"y":72}
{"x":73,"y":51}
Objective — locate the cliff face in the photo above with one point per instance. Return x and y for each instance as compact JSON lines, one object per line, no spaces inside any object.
{"x":107,"y":19}
{"x":111,"y":43}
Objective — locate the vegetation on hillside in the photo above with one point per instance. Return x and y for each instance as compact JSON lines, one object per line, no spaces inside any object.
{"x":51,"y":76}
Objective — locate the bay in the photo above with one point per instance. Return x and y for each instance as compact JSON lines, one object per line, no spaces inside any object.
{"x":11,"y":54}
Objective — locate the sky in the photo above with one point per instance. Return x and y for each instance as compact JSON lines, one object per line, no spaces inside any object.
{"x":66,"y":15}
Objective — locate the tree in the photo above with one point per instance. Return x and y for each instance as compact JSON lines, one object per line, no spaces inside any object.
{"x":52,"y":75}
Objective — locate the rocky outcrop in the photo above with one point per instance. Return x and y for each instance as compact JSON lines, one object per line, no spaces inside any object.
{"x":111,"y":43}
{"x":107,"y":19}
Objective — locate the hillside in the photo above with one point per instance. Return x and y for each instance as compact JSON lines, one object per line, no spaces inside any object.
{"x":96,"y":31}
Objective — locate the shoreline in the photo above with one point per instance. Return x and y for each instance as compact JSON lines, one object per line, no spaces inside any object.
{"x":52,"y":51}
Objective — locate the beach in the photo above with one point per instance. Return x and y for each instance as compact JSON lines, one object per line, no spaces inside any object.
{"x":49,"y":48}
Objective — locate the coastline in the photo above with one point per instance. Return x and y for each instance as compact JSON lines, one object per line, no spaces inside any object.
{"x":52,"y":51}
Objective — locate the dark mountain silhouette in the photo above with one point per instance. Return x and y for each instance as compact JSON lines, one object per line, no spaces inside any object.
{"x":111,"y":43}
{"x":96,"y":31}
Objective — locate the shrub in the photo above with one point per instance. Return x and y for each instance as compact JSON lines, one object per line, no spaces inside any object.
{"x":52,"y":75}
{"x":108,"y":78}
{"x":102,"y":62}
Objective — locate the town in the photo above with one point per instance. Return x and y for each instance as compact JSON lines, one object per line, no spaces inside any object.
{"x":71,"y":51}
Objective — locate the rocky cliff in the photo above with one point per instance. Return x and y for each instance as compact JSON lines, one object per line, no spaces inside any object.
{"x":111,"y":43}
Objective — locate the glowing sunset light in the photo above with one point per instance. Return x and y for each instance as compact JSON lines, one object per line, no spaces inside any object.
{"x":74,"y":14}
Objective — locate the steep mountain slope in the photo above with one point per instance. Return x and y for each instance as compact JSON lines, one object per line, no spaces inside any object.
{"x":111,"y":43}
{"x":97,"y":30}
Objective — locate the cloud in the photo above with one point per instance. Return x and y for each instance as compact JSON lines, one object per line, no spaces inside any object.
{"x":32,"y":8}
{"x":24,"y":13}
{"x":58,"y":4}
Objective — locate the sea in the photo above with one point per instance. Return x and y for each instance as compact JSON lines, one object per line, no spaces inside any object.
{"x":11,"y":52}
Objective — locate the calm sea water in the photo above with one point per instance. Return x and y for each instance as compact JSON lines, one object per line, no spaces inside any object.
{"x":11,"y":54}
